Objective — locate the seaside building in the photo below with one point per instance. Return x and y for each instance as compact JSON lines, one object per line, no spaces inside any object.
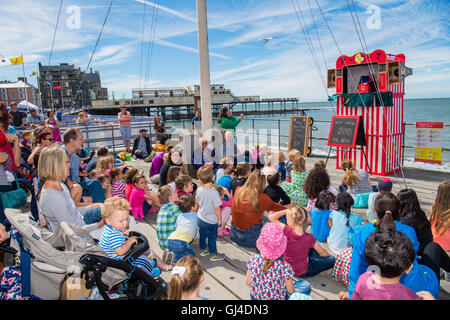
{"x":15,"y":92}
{"x":66,"y":86}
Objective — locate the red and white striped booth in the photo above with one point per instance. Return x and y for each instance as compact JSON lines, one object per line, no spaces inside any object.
{"x":381,"y":109}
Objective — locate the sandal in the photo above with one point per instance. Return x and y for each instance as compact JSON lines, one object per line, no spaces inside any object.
{"x":164,"y":256}
{"x":169,"y":259}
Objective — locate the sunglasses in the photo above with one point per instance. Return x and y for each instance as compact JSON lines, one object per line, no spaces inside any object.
{"x":49,"y":139}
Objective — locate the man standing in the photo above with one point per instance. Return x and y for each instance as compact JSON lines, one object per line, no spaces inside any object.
{"x":141,"y":145}
{"x":197,"y":121}
{"x":18,"y":116}
{"x":203,"y":155}
{"x":34,"y":119}
{"x":89,"y":117}
{"x":125,"y":126}
{"x":73,"y":143}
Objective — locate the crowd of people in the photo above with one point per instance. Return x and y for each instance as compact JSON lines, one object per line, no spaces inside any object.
{"x":268,"y":201}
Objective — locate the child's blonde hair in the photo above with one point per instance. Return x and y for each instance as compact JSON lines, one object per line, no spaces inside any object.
{"x":103,"y":177}
{"x":351,"y":176}
{"x":94,"y":174}
{"x":192,"y":273}
{"x":225,"y":162}
{"x":293,"y":154}
{"x":299,"y":164}
{"x":205,"y":174}
{"x":104,"y":163}
{"x":281,"y":157}
{"x":164,"y":193}
{"x":299,"y":216}
{"x":113,"y":204}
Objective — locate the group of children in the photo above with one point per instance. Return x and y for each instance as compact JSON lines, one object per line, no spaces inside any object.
{"x":286,"y":248}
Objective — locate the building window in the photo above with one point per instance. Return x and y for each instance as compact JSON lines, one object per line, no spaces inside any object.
{"x":150,"y":101}
{"x":116,"y":103}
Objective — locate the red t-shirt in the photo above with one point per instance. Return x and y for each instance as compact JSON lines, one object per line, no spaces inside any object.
{"x":297,"y":250}
{"x":128,"y":189}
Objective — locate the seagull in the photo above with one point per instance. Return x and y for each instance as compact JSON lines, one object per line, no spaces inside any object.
{"x":268,"y":38}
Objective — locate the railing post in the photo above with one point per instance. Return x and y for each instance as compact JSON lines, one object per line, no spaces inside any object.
{"x":112,"y":137}
{"x":279,"y":136}
{"x":87,"y":137}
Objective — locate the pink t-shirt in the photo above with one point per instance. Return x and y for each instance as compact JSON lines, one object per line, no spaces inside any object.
{"x":297,"y":250}
{"x":118,"y":189}
{"x":137,"y":201}
{"x":125,"y":117}
{"x":367,"y":289}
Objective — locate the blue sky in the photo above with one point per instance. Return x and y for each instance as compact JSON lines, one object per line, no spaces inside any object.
{"x":282,"y":67}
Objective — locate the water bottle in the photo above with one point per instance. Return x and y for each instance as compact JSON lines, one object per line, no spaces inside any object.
{"x":128,"y":157}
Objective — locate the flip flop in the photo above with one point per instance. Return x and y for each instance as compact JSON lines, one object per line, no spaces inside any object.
{"x":169,"y":260}
{"x":164,"y":256}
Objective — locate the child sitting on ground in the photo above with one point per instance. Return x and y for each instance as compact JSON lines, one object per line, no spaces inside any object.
{"x":141,"y":197}
{"x":225,"y":163}
{"x":105,"y":180}
{"x":173,"y":173}
{"x":129,"y":185}
{"x":268,"y":275}
{"x":281,"y":166}
{"x":226,"y":179}
{"x":320,"y":214}
{"x":243,"y":170}
{"x":384,"y":186}
{"x":295,"y":189}
{"x":294,"y":153}
{"x":227,"y":202}
{"x":115,"y":212}
{"x":187,"y":276}
{"x":94,"y":174}
{"x":209,"y":214}
{"x":275,"y":192}
{"x":342,"y":223}
{"x":184,"y":185}
{"x":117,"y":186}
{"x":392,"y":252}
{"x":305,"y":255}
{"x":167,"y":215}
{"x":186,"y":228}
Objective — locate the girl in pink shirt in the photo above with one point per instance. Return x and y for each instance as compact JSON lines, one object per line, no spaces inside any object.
{"x":141,"y":198}
{"x":129,"y":185}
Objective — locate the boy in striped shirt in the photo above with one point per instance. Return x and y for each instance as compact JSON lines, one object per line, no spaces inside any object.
{"x":117,"y":186}
{"x":113,"y":240}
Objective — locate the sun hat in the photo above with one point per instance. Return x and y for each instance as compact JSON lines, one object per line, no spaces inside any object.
{"x":272,"y":241}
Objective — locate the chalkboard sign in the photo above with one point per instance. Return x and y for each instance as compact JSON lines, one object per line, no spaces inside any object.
{"x":299,"y":134}
{"x":347,"y":132}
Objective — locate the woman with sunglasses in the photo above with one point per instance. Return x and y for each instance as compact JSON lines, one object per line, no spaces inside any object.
{"x":44,"y":139}
{"x":54,"y":122}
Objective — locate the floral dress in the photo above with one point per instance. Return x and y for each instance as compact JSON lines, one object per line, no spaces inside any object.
{"x":294,"y":189}
{"x":271,"y":285}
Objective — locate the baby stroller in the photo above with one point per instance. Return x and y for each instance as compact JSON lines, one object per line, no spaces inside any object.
{"x":46,"y":259}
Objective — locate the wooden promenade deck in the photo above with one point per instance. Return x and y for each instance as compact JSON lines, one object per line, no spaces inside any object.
{"x":225,"y":280}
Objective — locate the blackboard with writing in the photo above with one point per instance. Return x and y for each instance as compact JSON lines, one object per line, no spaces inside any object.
{"x":346,"y":131}
{"x":299,"y":134}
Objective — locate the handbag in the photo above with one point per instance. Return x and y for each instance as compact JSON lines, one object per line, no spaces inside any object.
{"x":15,"y":199}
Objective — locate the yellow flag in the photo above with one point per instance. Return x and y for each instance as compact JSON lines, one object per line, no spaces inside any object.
{"x":17,"y":60}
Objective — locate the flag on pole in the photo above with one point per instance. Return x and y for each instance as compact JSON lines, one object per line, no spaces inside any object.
{"x":33,"y":74}
{"x":57,"y":87}
{"x":16,"y":60}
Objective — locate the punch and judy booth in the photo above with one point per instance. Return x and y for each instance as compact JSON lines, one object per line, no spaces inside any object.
{"x":372,"y":86}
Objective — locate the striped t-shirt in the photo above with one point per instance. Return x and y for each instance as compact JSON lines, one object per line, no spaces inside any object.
{"x":110,"y":240}
{"x":118,"y":189}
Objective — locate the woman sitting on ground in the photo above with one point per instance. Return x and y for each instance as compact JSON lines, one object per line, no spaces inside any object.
{"x":55,"y":201}
{"x":249,"y":203}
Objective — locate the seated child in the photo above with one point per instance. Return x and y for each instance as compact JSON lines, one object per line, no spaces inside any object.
{"x":129,"y":185}
{"x":167,"y":215}
{"x":141,"y":198}
{"x":393,"y":254}
{"x":25,"y":143}
{"x":294,"y":153}
{"x":117,"y":186}
{"x":281,"y":166}
{"x":173,"y":173}
{"x":226,"y":179}
{"x":342,"y":222}
{"x":303,"y":252}
{"x":384,"y":186}
{"x":187,"y":275}
{"x":115,"y":212}
{"x":275,"y":192}
{"x":243,"y":170}
{"x":271,"y":162}
{"x":225,"y":210}
{"x":184,"y":185}
{"x":320,"y":214}
{"x":186,"y":228}
{"x":94,"y":174}
{"x":225,"y":163}
{"x":105,"y":180}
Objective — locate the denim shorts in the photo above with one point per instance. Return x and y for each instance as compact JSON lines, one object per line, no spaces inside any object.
{"x":245,"y":238}
{"x":180,"y":249}
{"x":125,"y":131}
